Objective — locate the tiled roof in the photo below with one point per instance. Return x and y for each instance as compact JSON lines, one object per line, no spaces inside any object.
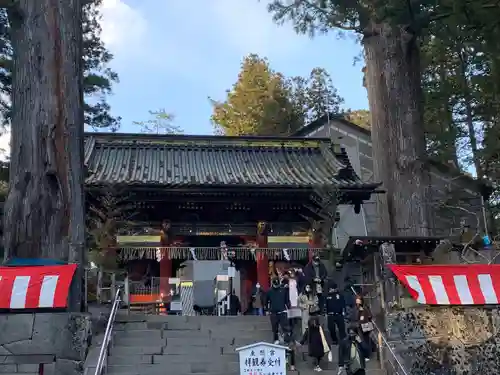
{"x":181,"y":161}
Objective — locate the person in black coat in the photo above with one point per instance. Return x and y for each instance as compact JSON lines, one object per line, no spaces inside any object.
{"x":277,"y":303}
{"x":234,"y":304}
{"x":317,"y":342}
{"x":361,"y":317}
{"x":301,"y":280}
{"x":335,"y":312}
{"x":315,"y":274}
{"x":353,"y":353}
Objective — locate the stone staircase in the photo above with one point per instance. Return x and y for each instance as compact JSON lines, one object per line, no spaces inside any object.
{"x":199,"y":345}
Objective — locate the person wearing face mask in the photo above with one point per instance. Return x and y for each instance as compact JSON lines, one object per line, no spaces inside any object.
{"x":317,"y":342}
{"x":278,"y":302}
{"x":362,"y":318}
{"x":294,"y":312}
{"x":315,"y":274}
{"x":352,"y":353}
{"x":308,"y":304}
{"x":258,"y":300}
{"x":335,"y":311}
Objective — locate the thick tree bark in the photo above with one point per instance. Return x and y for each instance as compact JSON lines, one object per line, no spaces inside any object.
{"x":396,"y":107}
{"x":44,"y":211}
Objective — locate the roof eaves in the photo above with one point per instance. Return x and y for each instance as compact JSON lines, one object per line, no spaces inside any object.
{"x":309,"y":128}
{"x":137,"y":137}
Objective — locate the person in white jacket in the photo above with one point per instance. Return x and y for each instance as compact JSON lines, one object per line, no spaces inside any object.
{"x":294,"y":312}
{"x":309,"y":306}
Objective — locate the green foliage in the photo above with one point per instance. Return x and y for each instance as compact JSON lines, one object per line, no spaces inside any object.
{"x":107,"y":211}
{"x":440,"y":98}
{"x":159,"y":123}
{"x":257,"y":104}
{"x":322,"y":96}
{"x":461,"y":82}
{"x":4,"y":180}
{"x":460,"y":67}
{"x":264,"y":102}
{"x":360,"y":117}
{"x":98,"y":77}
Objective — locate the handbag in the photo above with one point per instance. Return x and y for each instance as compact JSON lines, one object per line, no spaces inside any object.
{"x":294,"y":312}
{"x":326,"y":347}
{"x":367,"y":327}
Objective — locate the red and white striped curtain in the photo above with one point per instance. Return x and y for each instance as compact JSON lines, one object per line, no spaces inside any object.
{"x":457,"y":284}
{"x":35,"y":287}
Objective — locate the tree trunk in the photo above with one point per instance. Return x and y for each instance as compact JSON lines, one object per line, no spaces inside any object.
{"x":44,"y":211}
{"x":396,"y":107}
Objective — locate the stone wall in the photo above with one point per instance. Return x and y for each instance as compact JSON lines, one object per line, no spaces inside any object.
{"x":447,"y":340}
{"x":58,"y":340}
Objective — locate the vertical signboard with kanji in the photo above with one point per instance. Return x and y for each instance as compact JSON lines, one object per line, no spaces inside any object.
{"x":262,"y":358}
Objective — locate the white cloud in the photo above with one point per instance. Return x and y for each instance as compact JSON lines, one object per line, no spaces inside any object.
{"x":123,"y":27}
{"x":249,"y":27}
{"x":5,"y":144}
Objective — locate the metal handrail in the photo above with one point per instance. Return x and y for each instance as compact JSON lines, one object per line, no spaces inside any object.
{"x":103,"y":353}
{"x":386,"y":343}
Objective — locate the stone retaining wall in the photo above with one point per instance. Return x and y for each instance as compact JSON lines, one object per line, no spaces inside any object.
{"x":447,"y":340}
{"x":58,"y":340}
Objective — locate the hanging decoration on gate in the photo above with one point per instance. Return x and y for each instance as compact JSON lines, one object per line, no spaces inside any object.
{"x":193,"y":254}
{"x":223,"y":250}
{"x":286,"y":255}
{"x":457,"y":284}
{"x":126,"y":254}
{"x":252,"y":251}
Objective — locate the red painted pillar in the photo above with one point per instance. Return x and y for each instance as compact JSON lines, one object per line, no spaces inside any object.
{"x":314,"y":242}
{"x":165,"y":262}
{"x":262,"y":259}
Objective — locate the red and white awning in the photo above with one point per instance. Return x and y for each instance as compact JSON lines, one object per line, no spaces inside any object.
{"x":35,"y":287}
{"x":477,"y":284}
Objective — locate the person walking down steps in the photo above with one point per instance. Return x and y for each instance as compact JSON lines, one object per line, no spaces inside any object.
{"x":362,"y":317}
{"x":309,"y":306}
{"x":278,"y":302}
{"x":352,"y":353}
{"x":335,"y":312}
{"x":294,"y":313}
{"x":258,"y":300}
{"x":317,"y":342}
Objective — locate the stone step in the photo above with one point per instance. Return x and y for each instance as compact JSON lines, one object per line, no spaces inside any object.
{"x":193,"y":350}
{"x":199,"y":341}
{"x":18,"y":368}
{"x":150,"y":334}
{"x":207,"y":341}
{"x":159,"y":370}
{"x":217,"y":334}
{"x":135,"y":350}
{"x":138,"y":342}
{"x":173,"y":319}
{"x":176,"y":333}
{"x":145,"y":359}
{"x":139,"y":326}
{"x":221,"y":333}
{"x":186,"y":358}
{"x":6,"y":371}
{"x":195,"y":364}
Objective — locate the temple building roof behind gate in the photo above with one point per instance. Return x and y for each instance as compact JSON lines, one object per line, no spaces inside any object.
{"x":180,"y":161}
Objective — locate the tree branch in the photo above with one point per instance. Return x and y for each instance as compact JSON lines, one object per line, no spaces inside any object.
{"x":9,"y":3}
{"x":437,"y":16}
{"x":333,"y":22}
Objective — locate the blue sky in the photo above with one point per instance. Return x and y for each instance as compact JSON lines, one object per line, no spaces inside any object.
{"x":174,"y":55}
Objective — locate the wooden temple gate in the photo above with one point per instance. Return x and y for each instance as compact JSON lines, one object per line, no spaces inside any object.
{"x":178,"y":198}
